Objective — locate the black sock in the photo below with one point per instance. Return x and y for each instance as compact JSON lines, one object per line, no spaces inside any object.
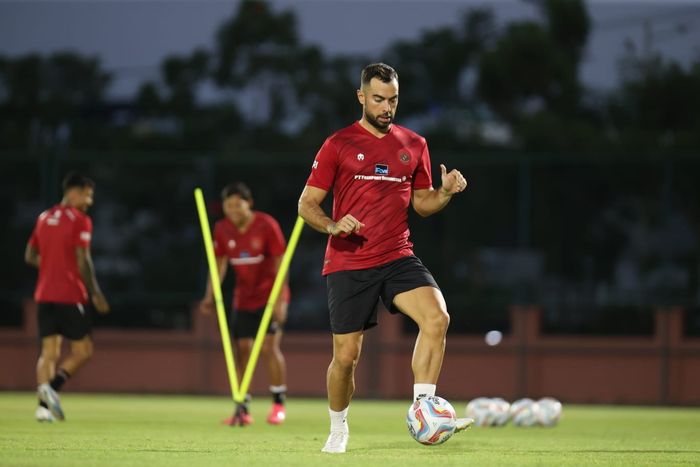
{"x":246,"y":401}
{"x":279,"y":394}
{"x":60,"y":379}
{"x":43,"y":404}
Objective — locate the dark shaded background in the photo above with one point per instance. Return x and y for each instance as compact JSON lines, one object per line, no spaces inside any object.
{"x":583,"y":202}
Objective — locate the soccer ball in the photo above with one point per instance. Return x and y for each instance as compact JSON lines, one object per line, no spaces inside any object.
{"x":489,"y":411}
{"x":500,"y":410}
{"x":524,"y":412}
{"x":431,"y":420}
{"x":480,"y":410}
{"x":549,"y":411}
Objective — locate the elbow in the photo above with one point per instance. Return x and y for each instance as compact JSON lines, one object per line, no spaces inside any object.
{"x":302,"y":208}
{"x":421,"y":212}
{"x":30,"y":258}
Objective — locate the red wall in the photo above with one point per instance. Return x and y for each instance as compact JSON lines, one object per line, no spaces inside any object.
{"x":664,"y":368}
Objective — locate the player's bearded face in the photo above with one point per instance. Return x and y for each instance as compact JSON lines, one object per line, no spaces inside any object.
{"x":380,"y":121}
{"x":380,"y":103}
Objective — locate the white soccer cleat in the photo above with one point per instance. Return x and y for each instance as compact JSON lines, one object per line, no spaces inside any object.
{"x":50,"y":397}
{"x":462,"y":424}
{"x":43,"y":414}
{"x":337,"y":442}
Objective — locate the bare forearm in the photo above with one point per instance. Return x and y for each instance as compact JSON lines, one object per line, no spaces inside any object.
{"x":87,"y":274}
{"x":314,"y":215}
{"x":222,"y":264}
{"x":432,"y":202}
{"x":278,"y":265}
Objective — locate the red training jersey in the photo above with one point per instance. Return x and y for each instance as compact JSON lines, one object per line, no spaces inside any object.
{"x":57,"y":234}
{"x":372,"y":179}
{"x":251,"y":253}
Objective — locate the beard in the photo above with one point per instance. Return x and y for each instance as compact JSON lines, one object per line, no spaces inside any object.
{"x":379,"y":125}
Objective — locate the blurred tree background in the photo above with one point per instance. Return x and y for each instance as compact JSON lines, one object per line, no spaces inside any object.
{"x":584,"y":203}
{"x":456,"y":82}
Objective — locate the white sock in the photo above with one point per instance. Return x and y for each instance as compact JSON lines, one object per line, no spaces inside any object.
{"x":422,"y":389}
{"x":339,"y":420}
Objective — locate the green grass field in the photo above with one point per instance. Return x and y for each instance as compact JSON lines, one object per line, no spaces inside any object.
{"x":108,"y":430}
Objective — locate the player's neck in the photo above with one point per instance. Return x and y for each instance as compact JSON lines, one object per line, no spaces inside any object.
{"x":372,"y":129}
{"x":246,"y":223}
{"x":65,"y":202}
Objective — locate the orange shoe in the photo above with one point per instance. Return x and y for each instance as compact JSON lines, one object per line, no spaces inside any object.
{"x":277,"y":415}
{"x":230,"y":421}
{"x":246,"y":419}
{"x":243,"y":419}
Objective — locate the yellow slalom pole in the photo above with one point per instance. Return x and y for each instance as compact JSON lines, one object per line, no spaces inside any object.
{"x":218,"y":299}
{"x":267,"y":314}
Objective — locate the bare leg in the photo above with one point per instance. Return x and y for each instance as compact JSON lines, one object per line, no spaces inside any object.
{"x":273,"y":359}
{"x":244,"y":347}
{"x":81,"y":352}
{"x":50,"y":353}
{"x":46,"y":369}
{"x":341,"y":386}
{"x":341,"y":372}
{"x":426,"y":306}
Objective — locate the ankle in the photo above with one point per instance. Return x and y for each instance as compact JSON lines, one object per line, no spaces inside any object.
{"x":339,"y":420}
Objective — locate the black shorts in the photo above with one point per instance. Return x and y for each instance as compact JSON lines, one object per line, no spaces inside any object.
{"x":70,"y":321}
{"x":354,"y":297}
{"x":245,"y":324}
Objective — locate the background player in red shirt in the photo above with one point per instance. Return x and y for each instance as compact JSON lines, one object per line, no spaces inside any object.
{"x":60,"y":248}
{"x":253,"y":243}
{"x":375,"y":169}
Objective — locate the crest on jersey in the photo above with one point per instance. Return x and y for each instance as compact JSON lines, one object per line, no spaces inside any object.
{"x":256,"y":243}
{"x":231,"y":244}
{"x":360,"y":157}
{"x":404,"y":157}
{"x":381,"y":169}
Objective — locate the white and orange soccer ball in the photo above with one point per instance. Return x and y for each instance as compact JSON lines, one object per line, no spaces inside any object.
{"x":524,"y":412}
{"x":549,"y":411}
{"x":431,"y":420}
{"x":480,"y":410}
{"x":500,"y":411}
{"x":487,"y":411}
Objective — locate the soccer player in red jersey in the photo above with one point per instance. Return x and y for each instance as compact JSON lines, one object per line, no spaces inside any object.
{"x":253,"y":243}
{"x":60,"y":248}
{"x":375,"y":168}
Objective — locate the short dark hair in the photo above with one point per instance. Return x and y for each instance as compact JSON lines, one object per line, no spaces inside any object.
{"x":76,"y":180}
{"x":236,"y":188}
{"x":380,"y":71}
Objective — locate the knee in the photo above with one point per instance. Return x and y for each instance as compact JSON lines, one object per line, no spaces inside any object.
{"x":346,"y":360}
{"x":244,"y":348}
{"x":436,"y":324}
{"x":50,"y":356}
{"x":268,"y":348}
{"x":84,"y":353}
